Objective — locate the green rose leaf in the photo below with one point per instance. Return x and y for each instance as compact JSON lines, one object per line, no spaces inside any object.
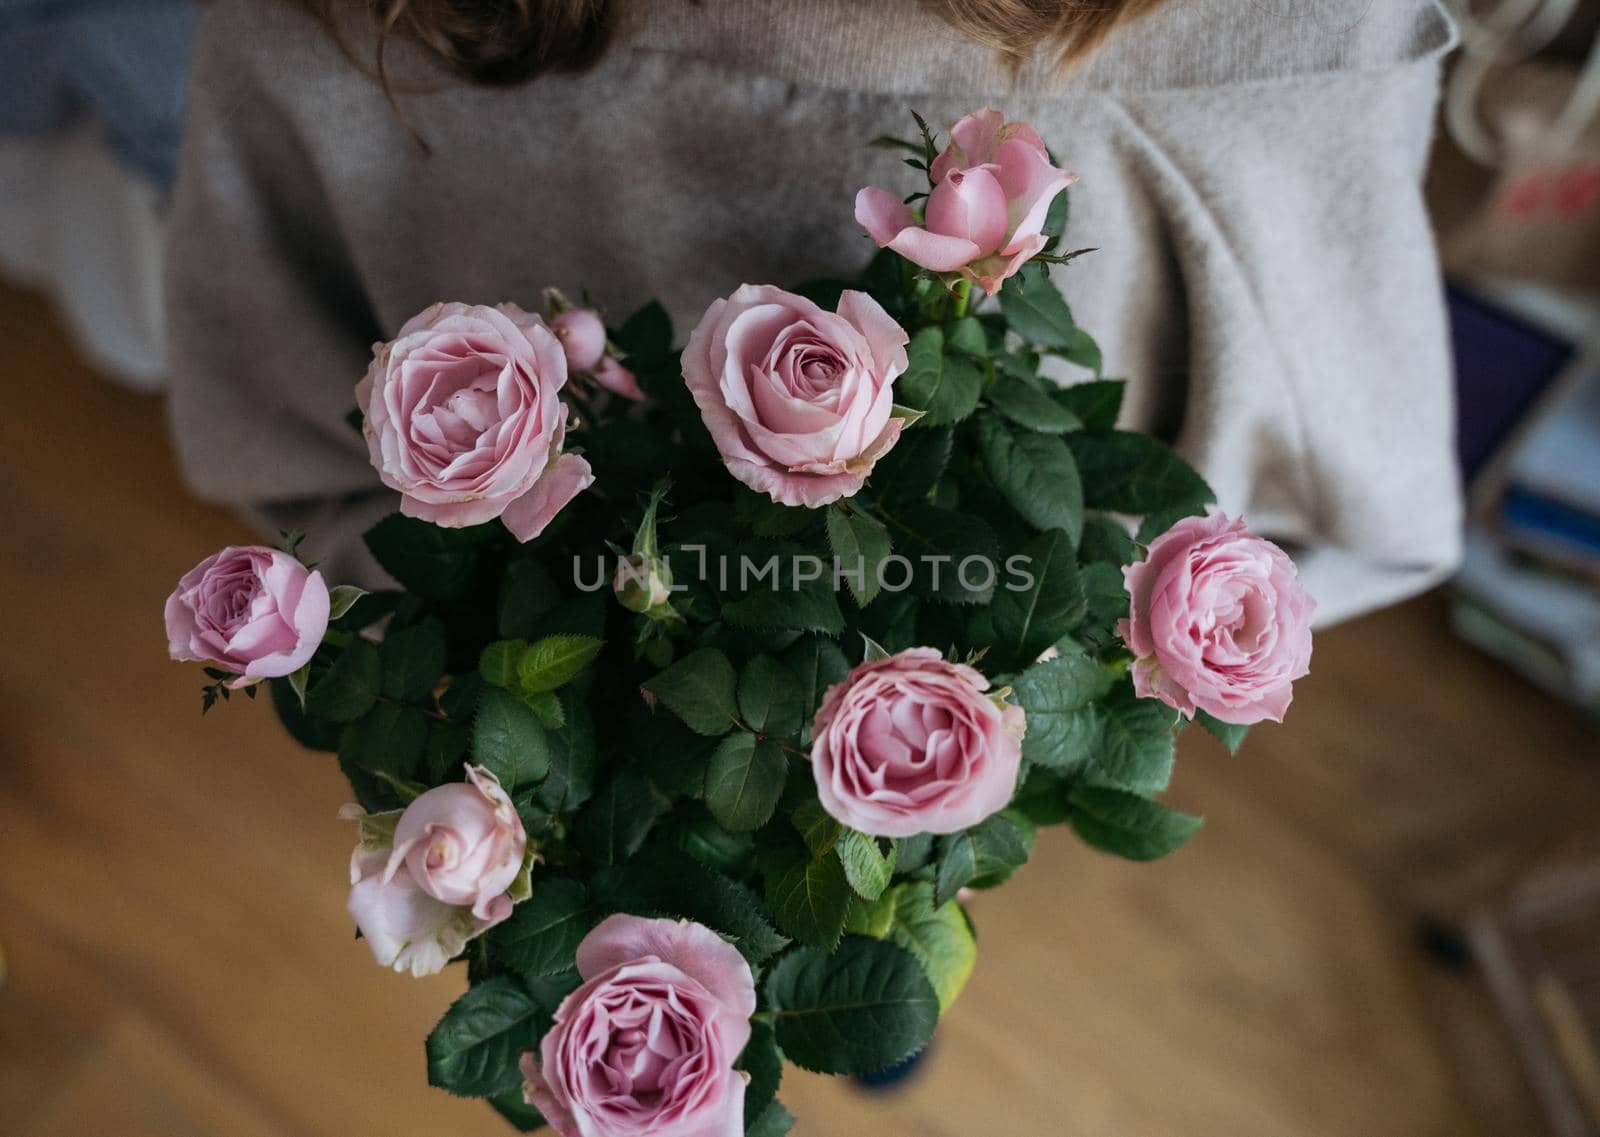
{"x":527,"y":592}
{"x":429,"y":560}
{"x":1083,"y":351}
{"x":509,"y":740}
{"x":1135,"y":750}
{"x":860,"y":544}
{"x":1229,"y":734}
{"x":1036,"y":473}
{"x":939,"y":936}
{"x":1128,"y":825}
{"x":994,"y":848}
{"x":805,"y":606}
{"x":350,"y":687}
{"x":817,"y":663}
{"x":1134,"y":473}
{"x":763,"y":1061}
{"x":615,"y":822}
{"x":768,"y":697}
{"x":518,"y":1114}
{"x":867,"y":868}
{"x":448,"y":744}
{"x":944,"y":385}
{"x":938,"y":541}
{"x":917,"y":461}
{"x":388,"y":740}
{"x":574,"y":759}
{"x":810,"y":898}
{"x":1097,"y":402}
{"x":474,"y":1050}
{"x":498,"y":662}
{"x":774,"y":1121}
{"x":1029,"y":620}
{"x":555,"y":661}
{"x":861,"y":1009}
{"x":701,"y":689}
{"x":543,"y":932}
{"x":744,"y":781}
{"x":669,"y":883}
{"x":1029,"y":407}
{"x":1036,"y":310}
{"x":412,"y":660}
{"x":1063,"y":729}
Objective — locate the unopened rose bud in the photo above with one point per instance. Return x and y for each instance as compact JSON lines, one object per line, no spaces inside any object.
{"x":583,"y":337}
{"x":642,"y":583}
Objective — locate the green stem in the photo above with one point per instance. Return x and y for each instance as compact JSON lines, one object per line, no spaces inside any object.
{"x":963,"y":296}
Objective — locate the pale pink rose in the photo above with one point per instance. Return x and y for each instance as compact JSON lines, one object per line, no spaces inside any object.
{"x":444,"y":879}
{"x":464,"y":418}
{"x":915,"y":744}
{"x":583,"y":337}
{"x":984,"y":219}
{"x":646,"y":1047}
{"x":1217,"y":621}
{"x":798,"y":400}
{"x":250,"y":610}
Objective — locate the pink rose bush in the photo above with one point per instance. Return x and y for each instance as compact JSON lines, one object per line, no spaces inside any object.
{"x":992,"y":186}
{"x":913,"y":743}
{"x":427,"y":879}
{"x":463,"y":416}
{"x":252,"y":611}
{"x":646,"y":1045}
{"x":799,"y":401}
{"x":1218,"y":622}
{"x":634,"y":695}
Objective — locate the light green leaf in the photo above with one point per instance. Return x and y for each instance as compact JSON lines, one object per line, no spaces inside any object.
{"x":940,"y":937}
{"x":866,"y":868}
{"x":341,"y":598}
{"x":555,"y":661}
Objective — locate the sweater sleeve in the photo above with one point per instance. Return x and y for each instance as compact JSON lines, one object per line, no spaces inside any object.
{"x":269,"y":326}
{"x":1318,"y":392}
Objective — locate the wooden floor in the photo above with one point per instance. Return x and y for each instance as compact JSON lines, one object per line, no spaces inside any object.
{"x":172,"y":887}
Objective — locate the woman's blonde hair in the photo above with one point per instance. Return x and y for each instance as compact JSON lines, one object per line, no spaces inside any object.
{"x":508,"y":41}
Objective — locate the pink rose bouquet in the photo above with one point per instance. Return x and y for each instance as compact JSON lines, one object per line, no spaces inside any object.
{"x":859,"y":597}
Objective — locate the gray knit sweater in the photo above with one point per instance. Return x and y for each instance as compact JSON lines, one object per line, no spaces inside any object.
{"x":1250,"y":174}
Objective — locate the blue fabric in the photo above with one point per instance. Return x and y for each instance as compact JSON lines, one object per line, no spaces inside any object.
{"x":121,"y":62}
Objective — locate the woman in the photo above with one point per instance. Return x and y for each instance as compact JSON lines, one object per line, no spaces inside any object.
{"x":1250,"y":174}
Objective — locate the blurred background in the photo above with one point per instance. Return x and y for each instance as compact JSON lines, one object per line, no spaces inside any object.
{"x":1391,"y":925}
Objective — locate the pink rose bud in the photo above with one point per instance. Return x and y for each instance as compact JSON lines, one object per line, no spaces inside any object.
{"x":992,"y":189}
{"x":642,"y":582}
{"x":617,"y":379}
{"x":583,"y":337}
{"x":646,"y":1046}
{"x":464,"y":418}
{"x":455,"y":853}
{"x":1217,"y":621}
{"x":799,"y":401}
{"x":254,"y":611}
{"x":915,"y":744}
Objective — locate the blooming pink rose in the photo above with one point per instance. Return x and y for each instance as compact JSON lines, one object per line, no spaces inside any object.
{"x":443,"y":877}
{"x":646,"y":1046}
{"x":1217,"y":621}
{"x":464,"y":417}
{"x":798,"y":400}
{"x":583,"y":337}
{"x":254,"y":611}
{"x":993,"y":185}
{"x":914,"y":744}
